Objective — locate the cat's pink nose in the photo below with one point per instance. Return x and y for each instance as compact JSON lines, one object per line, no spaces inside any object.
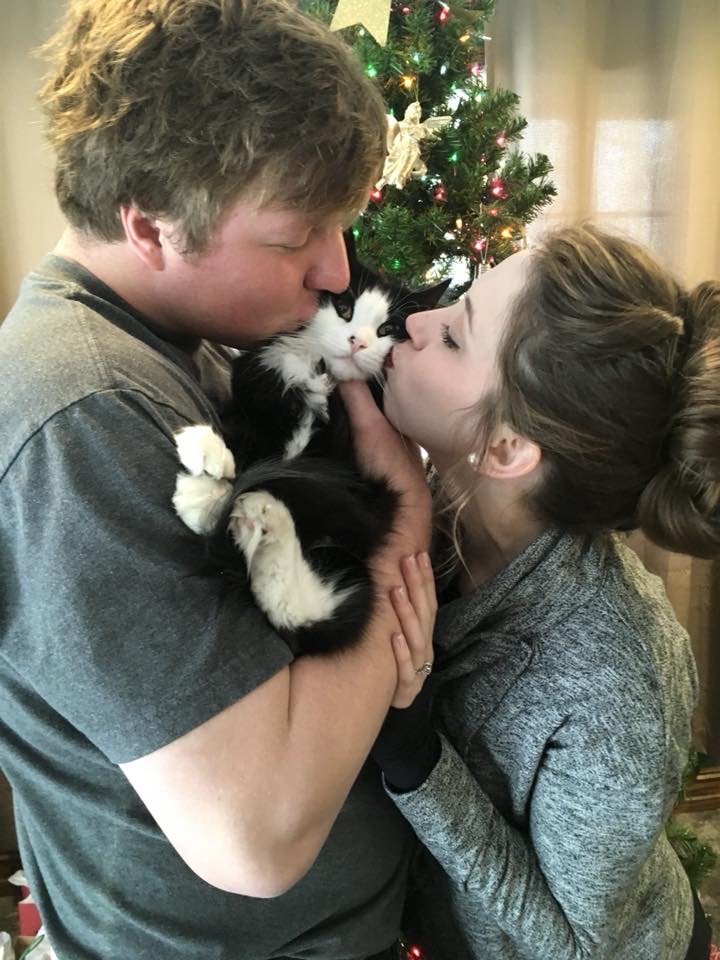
{"x":356,"y":344}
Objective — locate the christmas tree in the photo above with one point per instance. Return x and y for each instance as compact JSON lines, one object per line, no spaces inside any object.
{"x":455,"y":196}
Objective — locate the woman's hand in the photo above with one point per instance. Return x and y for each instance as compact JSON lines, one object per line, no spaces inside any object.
{"x":415,"y":605}
{"x":407,"y":747}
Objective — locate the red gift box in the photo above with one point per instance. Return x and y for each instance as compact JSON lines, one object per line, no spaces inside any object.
{"x":29,"y":921}
{"x":28,"y":917}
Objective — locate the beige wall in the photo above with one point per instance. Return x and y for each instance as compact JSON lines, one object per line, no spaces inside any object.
{"x":29,"y":217}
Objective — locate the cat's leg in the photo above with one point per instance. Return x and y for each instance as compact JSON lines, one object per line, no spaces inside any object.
{"x":315,"y":391}
{"x":202,"y":493}
{"x":286,"y":588}
{"x":202,"y":451}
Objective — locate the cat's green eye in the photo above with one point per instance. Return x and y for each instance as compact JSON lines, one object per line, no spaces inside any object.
{"x":343,"y":309}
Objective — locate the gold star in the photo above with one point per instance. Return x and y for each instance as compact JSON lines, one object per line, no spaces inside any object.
{"x":374,"y":15}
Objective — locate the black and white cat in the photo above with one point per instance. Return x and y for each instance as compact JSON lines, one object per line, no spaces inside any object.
{"x":281,"y":496}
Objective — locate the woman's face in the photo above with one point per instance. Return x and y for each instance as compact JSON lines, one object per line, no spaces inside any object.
{"x":450,"y":362}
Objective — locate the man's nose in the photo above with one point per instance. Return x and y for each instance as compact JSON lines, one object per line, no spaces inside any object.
{"x":331,"y":270}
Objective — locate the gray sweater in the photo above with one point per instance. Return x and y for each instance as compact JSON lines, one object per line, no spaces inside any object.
{"x":566,"y":688}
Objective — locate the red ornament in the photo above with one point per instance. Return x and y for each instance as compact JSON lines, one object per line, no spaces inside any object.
{"x":498,"y":188}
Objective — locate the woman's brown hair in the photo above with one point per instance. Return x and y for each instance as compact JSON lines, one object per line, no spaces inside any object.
{"x":614,"y":371}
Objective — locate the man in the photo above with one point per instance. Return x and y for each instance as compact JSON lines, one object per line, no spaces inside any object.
{"x":184,"y":788}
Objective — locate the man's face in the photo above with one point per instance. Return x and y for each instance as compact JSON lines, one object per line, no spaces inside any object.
{"x":259,"y":276}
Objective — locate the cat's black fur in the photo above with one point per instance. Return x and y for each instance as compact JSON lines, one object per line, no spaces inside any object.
{"x":342,"y":516}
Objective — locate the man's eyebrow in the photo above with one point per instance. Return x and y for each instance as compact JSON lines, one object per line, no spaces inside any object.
{"x":469,"y":312}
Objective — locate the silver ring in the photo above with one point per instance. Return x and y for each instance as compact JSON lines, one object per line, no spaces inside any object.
{"x":426,"y":668}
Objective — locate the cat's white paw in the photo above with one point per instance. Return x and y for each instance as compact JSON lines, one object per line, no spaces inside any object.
{"x":199,"y":501}
{"x":260,"y":520}
{"x":202,"y":451}
{"x":286,"y":588}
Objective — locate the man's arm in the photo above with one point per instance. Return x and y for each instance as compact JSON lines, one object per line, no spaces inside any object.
{"x":248,"y":797}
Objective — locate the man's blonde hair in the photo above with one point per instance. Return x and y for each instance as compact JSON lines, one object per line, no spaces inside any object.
{"x":184,"y":106}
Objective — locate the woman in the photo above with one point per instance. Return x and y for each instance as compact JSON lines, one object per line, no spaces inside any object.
{"x":573,"y":392}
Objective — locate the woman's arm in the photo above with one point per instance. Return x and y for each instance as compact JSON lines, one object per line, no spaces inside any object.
{"x":558,"y":889}
{"x":595,"y":812}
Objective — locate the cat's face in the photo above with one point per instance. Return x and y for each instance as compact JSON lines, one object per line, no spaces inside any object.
{"x":354,"y":333}
{"x":355,"y":330}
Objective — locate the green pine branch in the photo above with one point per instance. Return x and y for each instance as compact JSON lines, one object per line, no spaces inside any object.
{"x":479,"y":191}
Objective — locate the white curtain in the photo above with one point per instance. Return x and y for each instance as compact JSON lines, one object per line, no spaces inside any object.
{"x":30,"y":221}
{"x":624,"y":97}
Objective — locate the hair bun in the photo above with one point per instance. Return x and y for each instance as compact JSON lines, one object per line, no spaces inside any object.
{"x":680,"y":507}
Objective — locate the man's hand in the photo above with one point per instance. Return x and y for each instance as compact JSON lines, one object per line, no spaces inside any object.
{"x":387,"y":454}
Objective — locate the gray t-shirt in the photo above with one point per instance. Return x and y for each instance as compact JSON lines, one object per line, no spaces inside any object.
{"x":566,"y":688}
{"x":112,"y":645}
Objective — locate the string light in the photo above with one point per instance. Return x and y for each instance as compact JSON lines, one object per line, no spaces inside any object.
{"x":501,"y":139}
{"x":459,"y":223}
{"x":476,"y":70}
{"x":443,"y":13}
{"x":498,"y":188}
{"x":493,"y":211}
{"x":507,"y":233}
{"x":395,"y":263}
{"x":453,"y":158}
{"x":440,"y":192}
{"x":371,"y":71}
{"x":376,"y":195}
{"x":464,"y":38}
{"x":407,"y":80}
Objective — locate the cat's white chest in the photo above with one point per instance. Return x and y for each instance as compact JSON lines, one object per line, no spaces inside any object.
{"x":297,"y":367}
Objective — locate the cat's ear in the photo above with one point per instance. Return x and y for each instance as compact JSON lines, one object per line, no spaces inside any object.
{"x":429,"y":297}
